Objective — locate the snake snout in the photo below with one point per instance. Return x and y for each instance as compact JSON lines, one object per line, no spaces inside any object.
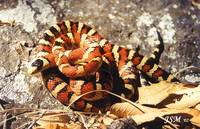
{"x":37,"y":63}
{"x":36,"y":66}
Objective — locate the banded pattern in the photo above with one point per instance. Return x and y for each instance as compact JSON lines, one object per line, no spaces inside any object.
{"x":86,"y":62}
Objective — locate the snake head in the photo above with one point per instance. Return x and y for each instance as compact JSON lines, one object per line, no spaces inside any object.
{"x":38,"y":65}
{"x":41,"y":63}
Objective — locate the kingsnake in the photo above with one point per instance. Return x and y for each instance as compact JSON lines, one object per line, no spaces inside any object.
{"x":75,"y":59}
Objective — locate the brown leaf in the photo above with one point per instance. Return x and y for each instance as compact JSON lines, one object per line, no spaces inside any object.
{"x":171,"y":95}
{"x":51,"y":126}
{"x":124,"y":109}
{"x":75,"y":126}
{"x":197,"y":107}
{"x":196,"y":120}
{"x":102,"y":126}
{"x":107,"y":120}
{"x":175,"y":116}
{"x":57,"y":120}
{"x":55,"y":126}
{"x":155,"y":93}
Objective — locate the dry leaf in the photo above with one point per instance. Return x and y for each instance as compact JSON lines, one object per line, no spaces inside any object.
{"x":52,"y":121}
{"x":124,"y":109}
{"x":189,"y":98}
{"x":54,"y":118}
{"x":107,"y":120}
{"x":57,"y":126}
{"x":102,"y":126}
{"x":75,"y":126}
{"x":171,"y":95}
{"x":197,"y":107}
{"x":147,"y":117}
{"x":155,"y":93}
{"x":175,"y":116}
{"x":51,"y":126}
{"x":91,"y":121}
{"x":196,"y":120}
{"x":179,"y":117}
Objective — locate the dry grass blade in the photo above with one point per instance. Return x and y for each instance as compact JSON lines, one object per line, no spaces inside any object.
{"x":9,"y":23}
{"x":36,"y":120}
{"x":25,"y":124}
{"x":186,"y":68}
{"x":134,"y":104}
{"x":31,"y":122}
{"x":26,"y":114}
{"x":12,"y":109}
{"x":57,"y":121}
{"x":196,"y":3}
{"x":2,"y":122}
{"x":35,"y":112}
{"x":7,"y":123}
{"x":83,"y":121}
{"x":18,"y":115}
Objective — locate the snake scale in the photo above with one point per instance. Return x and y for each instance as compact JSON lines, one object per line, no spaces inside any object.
{"x":75,"y":59}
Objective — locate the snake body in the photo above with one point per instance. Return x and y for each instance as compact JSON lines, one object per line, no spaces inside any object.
{"x":75,"y":59}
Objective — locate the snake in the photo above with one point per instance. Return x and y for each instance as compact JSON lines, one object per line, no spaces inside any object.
{"x":75,"y":59}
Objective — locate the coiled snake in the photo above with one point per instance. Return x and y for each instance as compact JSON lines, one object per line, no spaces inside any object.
{"x":75,"y":59}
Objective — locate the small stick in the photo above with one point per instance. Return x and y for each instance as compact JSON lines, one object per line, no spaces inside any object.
{"x":83,"y":121}
{"x":36,"y":120}
{"x":186,"y":68}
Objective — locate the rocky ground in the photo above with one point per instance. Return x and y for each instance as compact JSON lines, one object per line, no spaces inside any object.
{"x":124,"y":22}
